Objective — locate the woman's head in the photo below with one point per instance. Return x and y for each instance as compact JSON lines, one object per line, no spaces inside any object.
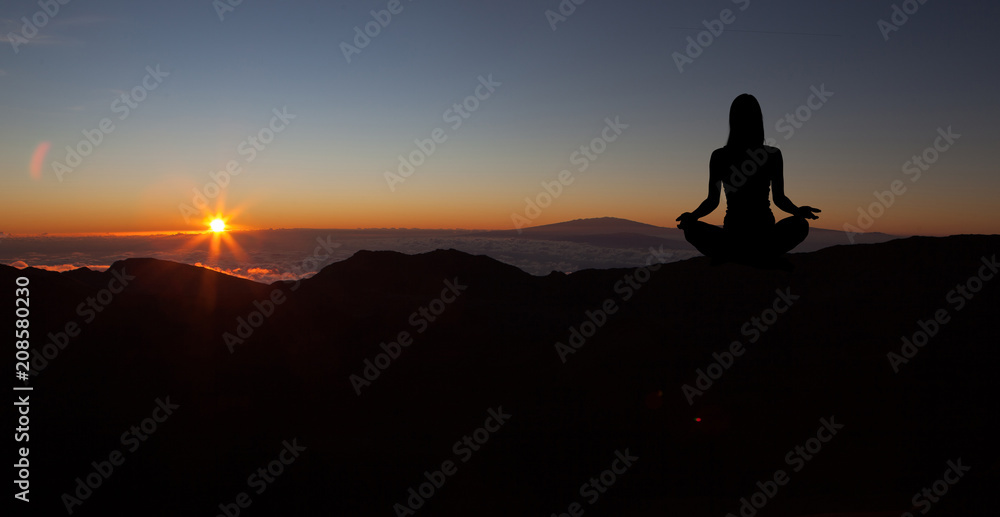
{"x":746,"y":122}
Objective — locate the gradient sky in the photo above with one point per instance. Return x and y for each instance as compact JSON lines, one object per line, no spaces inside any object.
{"x":607,"y":59}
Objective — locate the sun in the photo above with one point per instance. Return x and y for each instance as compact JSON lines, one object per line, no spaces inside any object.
{"x":219,"y":235}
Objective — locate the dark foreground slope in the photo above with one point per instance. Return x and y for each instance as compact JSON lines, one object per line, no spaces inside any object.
{"x":482,"y":341}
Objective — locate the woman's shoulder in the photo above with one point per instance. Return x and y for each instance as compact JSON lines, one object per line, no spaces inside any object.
{"x":721,"y":153}
{"x":729,"y":150}
{"x":729,"y":154}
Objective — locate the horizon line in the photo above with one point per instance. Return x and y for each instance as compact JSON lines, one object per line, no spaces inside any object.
{"x":173,"y":233}
{"x":238,"y":229}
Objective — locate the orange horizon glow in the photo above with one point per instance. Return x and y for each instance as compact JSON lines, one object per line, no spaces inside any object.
{"x":937,"y":230}
{"x":493,"y":211}
{"x":829,"y":220}
{"x":70,"y":209}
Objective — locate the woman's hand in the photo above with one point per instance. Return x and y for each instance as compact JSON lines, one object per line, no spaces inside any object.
{"x":807,"y":212}
{"x":685,"y":219}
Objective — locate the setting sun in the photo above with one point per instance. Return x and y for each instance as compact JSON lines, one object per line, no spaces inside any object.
{"x":218,"y":225}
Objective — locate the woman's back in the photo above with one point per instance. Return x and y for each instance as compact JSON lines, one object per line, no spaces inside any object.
{"x":746,"y":176}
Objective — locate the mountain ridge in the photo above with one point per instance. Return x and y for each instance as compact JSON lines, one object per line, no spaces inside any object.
{"x":494,"y":344}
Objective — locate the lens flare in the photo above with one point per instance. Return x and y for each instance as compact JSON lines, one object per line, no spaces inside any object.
{"x":38,"y":160}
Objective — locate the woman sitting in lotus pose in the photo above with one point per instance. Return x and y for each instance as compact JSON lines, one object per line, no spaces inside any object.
{"x":747,"y":169}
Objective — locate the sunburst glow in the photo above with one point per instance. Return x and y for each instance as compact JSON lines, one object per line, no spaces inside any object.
{"x":218,"y":225}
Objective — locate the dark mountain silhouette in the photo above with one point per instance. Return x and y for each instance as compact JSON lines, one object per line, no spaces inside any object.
{"x":597,"y":225}
{"x":492,"y":347}
{"x":614,"y":232}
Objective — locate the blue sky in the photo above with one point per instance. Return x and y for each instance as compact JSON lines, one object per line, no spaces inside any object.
{"x":606,"y":59}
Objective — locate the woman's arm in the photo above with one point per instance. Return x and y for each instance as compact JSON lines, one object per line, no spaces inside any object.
{"x":778,"y":189}
{"x":711,"y":202}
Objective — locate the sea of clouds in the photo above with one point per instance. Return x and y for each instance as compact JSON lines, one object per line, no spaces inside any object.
{"x":271,"y":255}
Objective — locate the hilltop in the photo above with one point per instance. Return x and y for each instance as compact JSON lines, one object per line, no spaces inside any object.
{"x":586,"y":365}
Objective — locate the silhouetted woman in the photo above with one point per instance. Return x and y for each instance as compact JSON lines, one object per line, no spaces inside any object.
{"x":747,"y":169}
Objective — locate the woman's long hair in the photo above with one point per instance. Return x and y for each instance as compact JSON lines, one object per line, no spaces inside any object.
{"x":746,"y":123}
